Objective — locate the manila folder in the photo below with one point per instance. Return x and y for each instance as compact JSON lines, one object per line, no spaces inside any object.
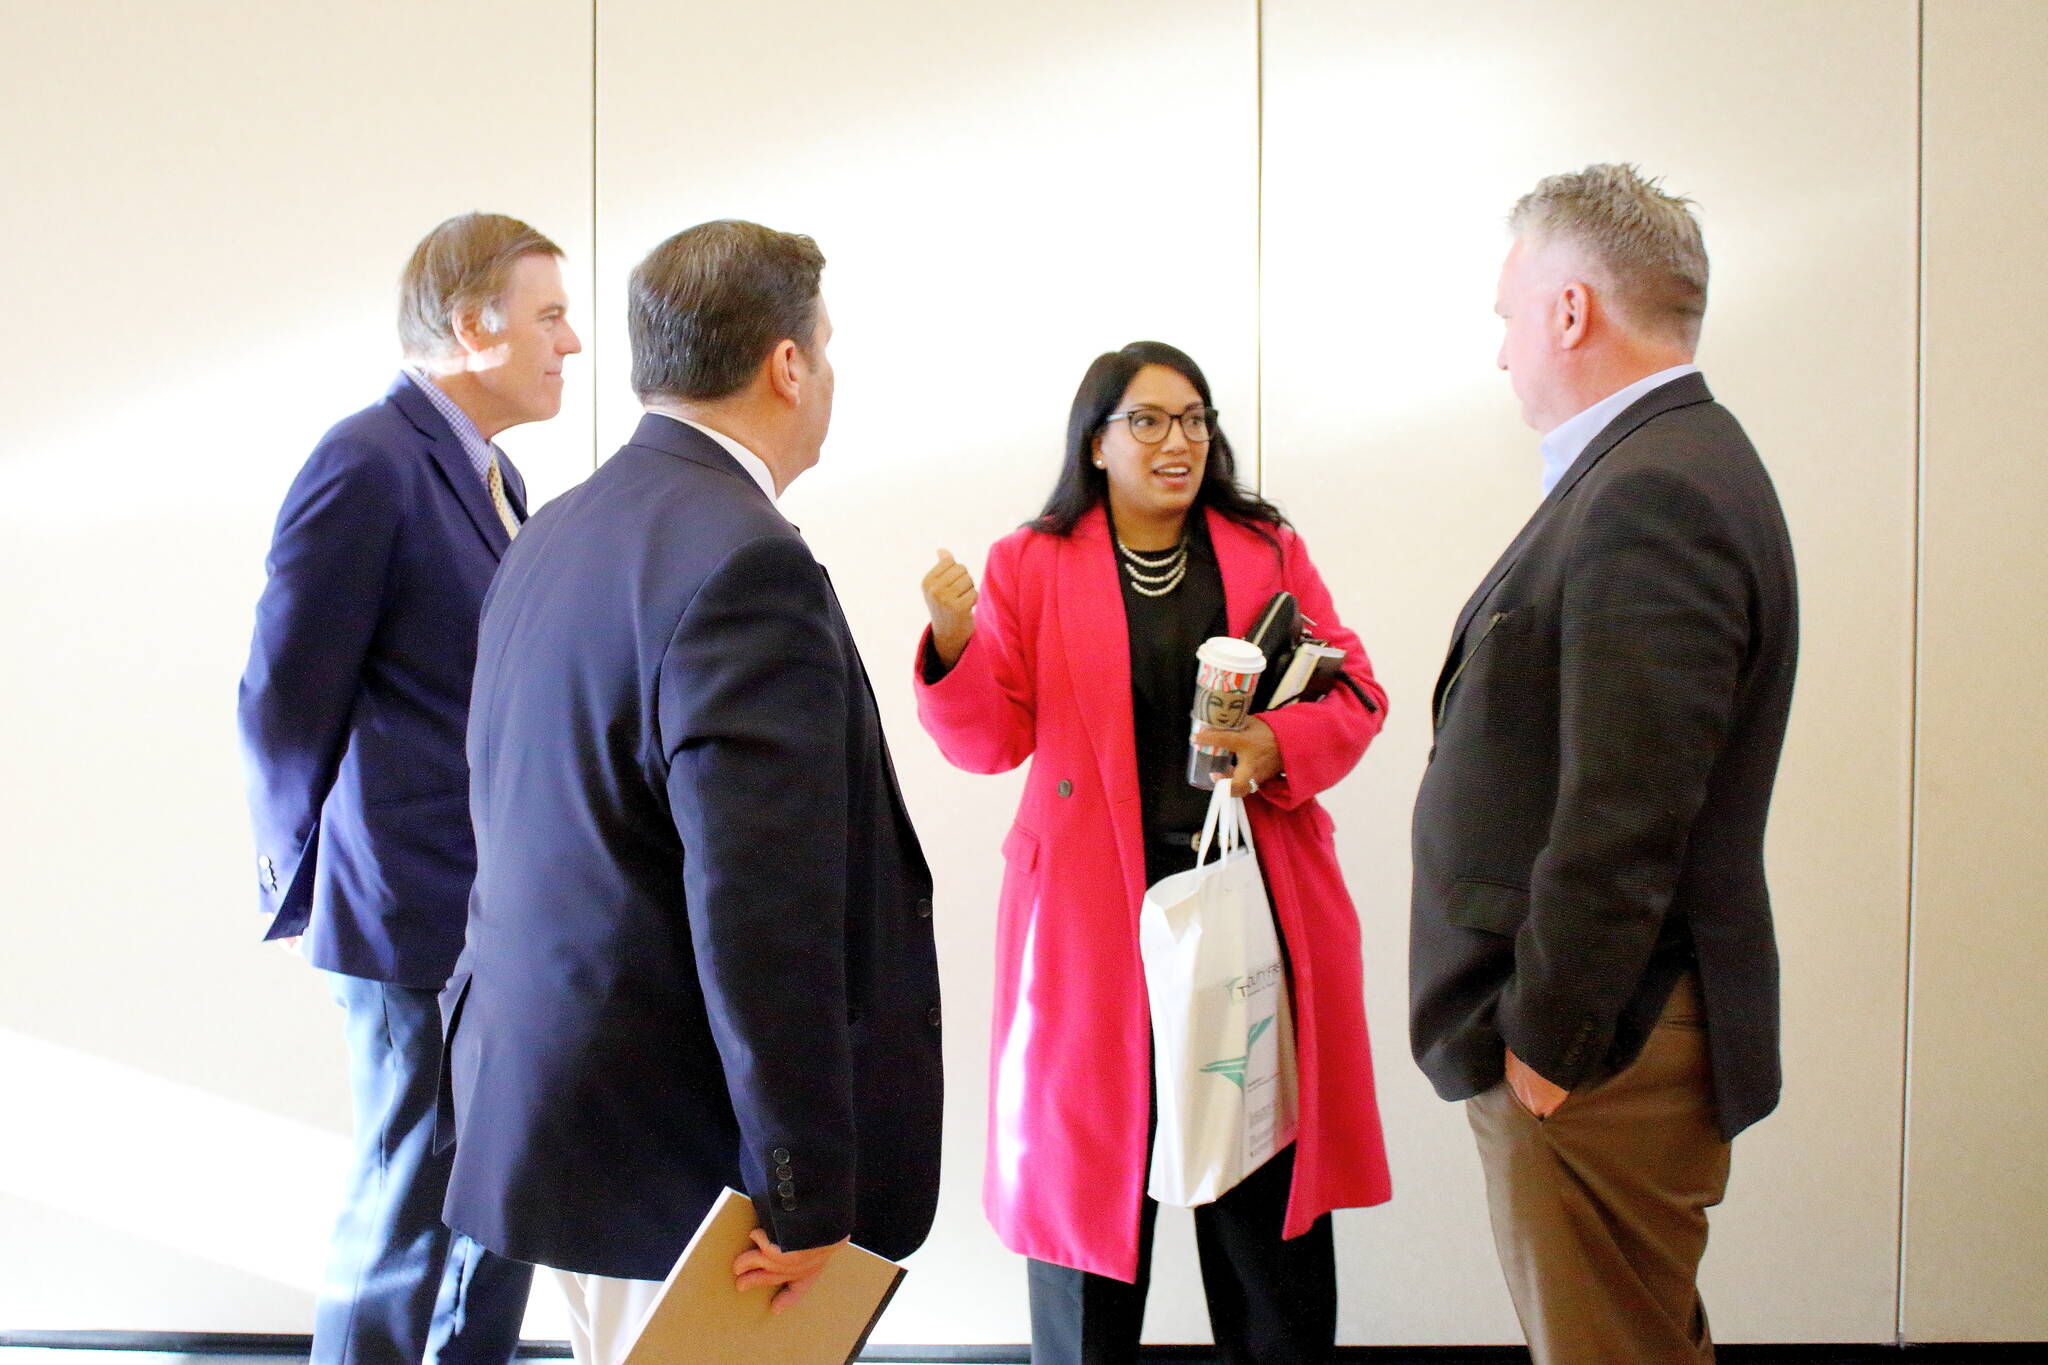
{"x":700,"y":1319}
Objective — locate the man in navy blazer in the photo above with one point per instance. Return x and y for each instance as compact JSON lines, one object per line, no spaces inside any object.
{"x":353,"y":711}
{"x":700,"y":950}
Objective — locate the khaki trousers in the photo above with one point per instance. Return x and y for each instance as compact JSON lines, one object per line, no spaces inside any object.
{"x":605,"y":1314}
{"x":1600,"y":1211}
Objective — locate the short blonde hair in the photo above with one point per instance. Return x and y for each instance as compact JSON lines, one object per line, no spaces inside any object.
{"x":459,"y":269}
{"x":1646,"y":241}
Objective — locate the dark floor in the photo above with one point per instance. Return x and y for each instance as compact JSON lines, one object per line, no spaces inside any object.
{"x":2031,"y":1353}
{"x":258,"y":1351}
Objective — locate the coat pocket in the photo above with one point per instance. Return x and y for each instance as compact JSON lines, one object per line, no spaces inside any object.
{"x":1020,"y":846}
{"x":1490,"y":907}
{"x":1443,"y":700}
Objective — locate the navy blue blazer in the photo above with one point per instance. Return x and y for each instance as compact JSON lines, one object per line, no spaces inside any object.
{"x":700,"y":949}
{"x":356,"y":696}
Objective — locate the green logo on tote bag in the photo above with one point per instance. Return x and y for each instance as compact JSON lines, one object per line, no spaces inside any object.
{"x":1232,"y":1068}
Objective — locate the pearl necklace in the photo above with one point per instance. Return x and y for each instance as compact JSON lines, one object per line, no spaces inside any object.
{"x":1154,"y":575}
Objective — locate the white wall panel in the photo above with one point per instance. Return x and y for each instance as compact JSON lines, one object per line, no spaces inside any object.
{"x":206,"y":210}
{"x":1001,"y":194}
{"x":1977,"y":1171}
{"x":1396,"y":139}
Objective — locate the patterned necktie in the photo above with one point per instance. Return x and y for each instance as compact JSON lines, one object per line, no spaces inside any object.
{"x":495,"y":481}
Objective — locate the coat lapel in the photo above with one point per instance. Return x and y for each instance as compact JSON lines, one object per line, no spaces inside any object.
{"x":1681,"y":392}
{"x":1250,"y":566}
{"x":1095,"y":638}
{"x":453,"y":461}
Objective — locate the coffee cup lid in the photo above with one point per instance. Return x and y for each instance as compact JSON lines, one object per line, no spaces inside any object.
{"x":1231,"y":654}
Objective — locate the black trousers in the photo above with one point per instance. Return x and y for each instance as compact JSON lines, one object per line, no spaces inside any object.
{"x":1271,"y":1301}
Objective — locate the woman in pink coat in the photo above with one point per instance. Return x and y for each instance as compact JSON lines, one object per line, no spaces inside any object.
{"x":1078,"y":651}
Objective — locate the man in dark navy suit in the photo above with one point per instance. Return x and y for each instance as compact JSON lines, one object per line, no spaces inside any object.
{"x":1592,"y":964}
{"x":700,"y":950}
{"x":353,"y":711}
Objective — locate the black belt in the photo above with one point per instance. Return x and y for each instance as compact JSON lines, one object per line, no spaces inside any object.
{"x":1178,"y":838}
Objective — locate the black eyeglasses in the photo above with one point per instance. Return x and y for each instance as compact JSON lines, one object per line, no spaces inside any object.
{"x":1150,"y":425}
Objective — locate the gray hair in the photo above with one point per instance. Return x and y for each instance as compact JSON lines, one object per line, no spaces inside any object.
{"x":459,"y":270}
{"x":1646,"y":242}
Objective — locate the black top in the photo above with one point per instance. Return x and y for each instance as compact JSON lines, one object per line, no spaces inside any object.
{"x":1165,"y":632}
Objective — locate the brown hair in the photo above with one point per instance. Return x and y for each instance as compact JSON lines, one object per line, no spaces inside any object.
{"x":711,"y":303}
{"x":1644,"y":240}
{"x":461,"y":269}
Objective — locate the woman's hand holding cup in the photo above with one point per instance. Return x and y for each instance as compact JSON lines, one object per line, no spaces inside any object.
{"x":949,"y":596}
{"x":1257,"y":749}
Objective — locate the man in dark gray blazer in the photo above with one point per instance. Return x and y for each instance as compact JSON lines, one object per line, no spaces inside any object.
{"x":1592,"y":965}
{"x":700,"y":948}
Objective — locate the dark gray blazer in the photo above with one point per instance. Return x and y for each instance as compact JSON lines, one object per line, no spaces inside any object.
{"x":700,"y":947}
{"x":1608,"y":724}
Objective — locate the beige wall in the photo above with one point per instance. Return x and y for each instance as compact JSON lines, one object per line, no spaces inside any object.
{"x":206,"y":211}
{"x":208,"y":219}
{"x":1977,"y":1181}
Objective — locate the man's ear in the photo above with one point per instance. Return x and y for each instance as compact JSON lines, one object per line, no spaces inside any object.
{"x":471,"y":333}
{"x":786,"y":371}
{"x":1574,"y":315}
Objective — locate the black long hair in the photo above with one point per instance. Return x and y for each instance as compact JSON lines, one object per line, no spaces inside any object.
{"x":1081,"y":485}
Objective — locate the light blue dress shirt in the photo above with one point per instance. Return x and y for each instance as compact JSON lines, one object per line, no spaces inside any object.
{"x":1569,"y":439}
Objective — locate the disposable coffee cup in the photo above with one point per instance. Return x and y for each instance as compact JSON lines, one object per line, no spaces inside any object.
{"x":1226,"y":673}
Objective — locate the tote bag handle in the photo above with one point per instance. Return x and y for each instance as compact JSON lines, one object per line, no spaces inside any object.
{"x":1227,"y":825}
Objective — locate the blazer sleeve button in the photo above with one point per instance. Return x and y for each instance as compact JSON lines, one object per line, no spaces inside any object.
{"x":1066,"y":787}
{"x":933,"y":1016}
{"x":781,"y":1155}
{"x":924,"y":907}
{"x":786,"y":1188}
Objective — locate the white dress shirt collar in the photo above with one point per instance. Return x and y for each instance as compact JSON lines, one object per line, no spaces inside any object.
{"x":756,"y":468}
{"x":1569,"y":439}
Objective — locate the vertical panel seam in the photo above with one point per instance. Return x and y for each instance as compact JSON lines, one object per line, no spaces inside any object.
{"x":1259,"y":237}
{"x":596,"y":348}
{"x":1913,"y":702}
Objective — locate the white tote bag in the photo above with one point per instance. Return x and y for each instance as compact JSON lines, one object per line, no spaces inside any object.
{"x":1222,"y":1029}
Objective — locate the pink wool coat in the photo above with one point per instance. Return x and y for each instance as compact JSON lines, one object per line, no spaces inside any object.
{"x":1048,"y":674}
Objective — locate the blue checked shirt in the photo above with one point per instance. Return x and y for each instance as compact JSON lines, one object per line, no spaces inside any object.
{"x":481,"y":452}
